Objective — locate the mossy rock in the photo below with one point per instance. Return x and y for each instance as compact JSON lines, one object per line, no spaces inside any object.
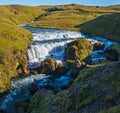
{"x":113,"y":52}
{"x":50,"y":66}
{"x":79,"y":49}
{"x":115,"y":109}
{"x":22,"y":106}
{"x":60,"y":70}
{"x":99,"y":46}
{"x":33,"y":88}
{"x":88,"y":90}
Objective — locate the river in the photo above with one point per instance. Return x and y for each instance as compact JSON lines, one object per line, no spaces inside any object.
{"x":46,"y":42}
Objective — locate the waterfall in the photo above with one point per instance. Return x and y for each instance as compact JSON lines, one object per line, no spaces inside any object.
{"x":47,"y":42}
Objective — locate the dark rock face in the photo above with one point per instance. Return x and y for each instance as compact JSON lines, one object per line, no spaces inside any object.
{"x":77,"y":66}
{"x":1,"y":111}
{"x":22,"y":107}
{"x":72,"y":52}
{"x":54,"y":9}
{"x":33,"y":88}
{"x":112,"y":54}
{"x":98,"y":46}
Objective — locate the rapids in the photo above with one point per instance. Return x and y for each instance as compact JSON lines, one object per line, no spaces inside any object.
{"x":46,"y":42}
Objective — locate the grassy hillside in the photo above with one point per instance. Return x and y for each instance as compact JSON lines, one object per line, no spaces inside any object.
{"x":107,"y":26}
{"x":95,"y":89}
{"x":70,"y":17}
{"x":18,"y":14}
{"x":77,"y":17}
{"x":14,"y":41}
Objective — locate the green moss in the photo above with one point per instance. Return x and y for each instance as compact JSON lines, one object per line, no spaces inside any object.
{"x":113,"y":52}
{"x":85,"y":73}
{"x":115,"y":109}
{"x":110,"y":97}
{"x":87,"y":91}
{"x":102,"y":26}
{"x":50,"y":66}
{"x":87,"y":101}
{"x":80,"y":49}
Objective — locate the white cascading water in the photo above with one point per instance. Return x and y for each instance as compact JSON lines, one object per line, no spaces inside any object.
{"x":46,"y":42}
{"x":49,"y":42}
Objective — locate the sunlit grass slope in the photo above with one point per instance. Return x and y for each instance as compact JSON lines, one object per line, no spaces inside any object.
{"x":107,"y":26}
{"x":69,"y":16}
{"x":14,"y":40}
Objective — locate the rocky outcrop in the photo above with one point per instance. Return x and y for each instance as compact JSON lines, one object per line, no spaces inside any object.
{"x":14,"y":64}
{"x":99,"y":46}
{"x":113,"y":52}
{"x":22,"y":107}
{"x":77,"y":54}
{"x":95,"y":89}
{"x":50,"y":66}
{"x":79,"y":49}
{"x":21,"y":64}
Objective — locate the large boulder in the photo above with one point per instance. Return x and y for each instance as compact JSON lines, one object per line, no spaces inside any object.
{"x":77,"y":54}
{"x":79,"y":49}
{"x":99,"y":46}
{"x":50,"y":66}
{"x":113,"y":52}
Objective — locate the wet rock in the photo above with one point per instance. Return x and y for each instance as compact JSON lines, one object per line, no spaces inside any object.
{"x":77,"y":66}
{"x":22,"y":107}
{"x":50,"y":66}
{"x":112,"y":54}
{"x":79,"y":49}
{"x":33,"y":88}
{"x":99,"y":46}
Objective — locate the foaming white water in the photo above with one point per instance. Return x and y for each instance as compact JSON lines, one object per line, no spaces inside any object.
{"x":50,"y":34}
{"x":49,"y":42}
{"x":53,"y":42}
{"x":98,"y":55}
{"x":20,"y":91}
{"x":25,"y":81}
